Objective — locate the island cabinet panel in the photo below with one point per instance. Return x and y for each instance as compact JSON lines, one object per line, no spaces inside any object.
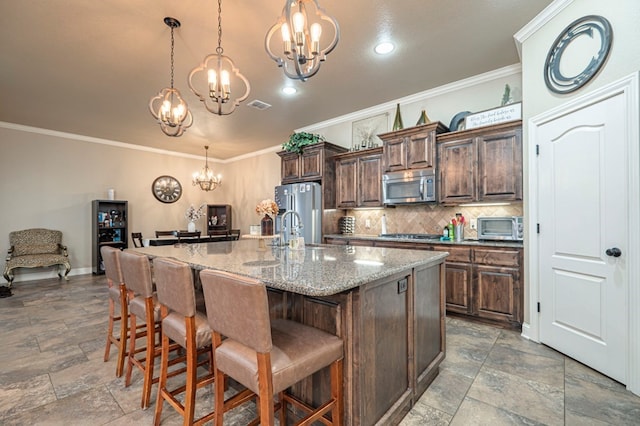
{"x":428,"y":325}
{"x":393,"y":333}
{"x":384,"y":327}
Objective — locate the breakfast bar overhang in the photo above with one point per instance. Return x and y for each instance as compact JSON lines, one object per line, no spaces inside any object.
{"x":386,"y":304}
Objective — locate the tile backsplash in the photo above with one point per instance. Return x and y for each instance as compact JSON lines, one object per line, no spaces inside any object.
{"x":416,"y":219}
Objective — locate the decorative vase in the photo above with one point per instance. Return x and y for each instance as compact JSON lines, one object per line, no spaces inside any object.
{"x":191,"y":226}
{"x":266,"y":225}
{"x":423,"y":119}
{"x":397,"y":122}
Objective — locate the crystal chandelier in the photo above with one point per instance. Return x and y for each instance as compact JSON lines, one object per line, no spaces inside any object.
{"x":300,"y":45}
{"x":211,"y":81}
{"x":168,"y":107}
{"x":206,"y":179}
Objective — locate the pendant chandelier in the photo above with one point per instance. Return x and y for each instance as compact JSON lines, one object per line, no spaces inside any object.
{"x":300,"y":44}
{"x":212,"y":80}
{"x":168,"y":107}
{"x":206,"y":179}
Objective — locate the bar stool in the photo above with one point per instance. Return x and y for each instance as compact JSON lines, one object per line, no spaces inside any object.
{"x":265,"y":356}
{"x":117,"y":298}
{"x":143,"y":305}
{"x":183,"y":324}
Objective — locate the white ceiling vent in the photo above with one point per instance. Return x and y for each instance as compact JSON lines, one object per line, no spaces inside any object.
{"x":258,"y":105}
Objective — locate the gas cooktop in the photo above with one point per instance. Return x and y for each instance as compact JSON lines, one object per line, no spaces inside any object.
{"x":413,"y":236}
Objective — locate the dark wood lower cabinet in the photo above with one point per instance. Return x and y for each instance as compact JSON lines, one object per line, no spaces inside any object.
{"x":393,"y":332}
{"x":482,"y":282}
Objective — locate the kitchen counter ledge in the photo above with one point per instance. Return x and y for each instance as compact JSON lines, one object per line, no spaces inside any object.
{"x":469,"y":242}
{"x":318,"y":270}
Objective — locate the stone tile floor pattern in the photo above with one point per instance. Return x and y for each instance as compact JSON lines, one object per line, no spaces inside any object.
{"x":52,"y":342}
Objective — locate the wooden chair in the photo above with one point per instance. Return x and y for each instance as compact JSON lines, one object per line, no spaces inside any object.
{"x":117,"y":299}
{"x":183,"y":324}
{"x":186,"y":235}
{"x":165,"y":234}
{"x":136,"y":237}
{"x":265,"y":356}
{"x":143,"y":305}
{"x":234,"y":234}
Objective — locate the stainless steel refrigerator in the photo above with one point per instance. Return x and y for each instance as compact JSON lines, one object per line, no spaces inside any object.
{"x":306,"y":200}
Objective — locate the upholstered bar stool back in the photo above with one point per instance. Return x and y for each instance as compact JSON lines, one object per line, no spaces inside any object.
{"x":184,"y":325}
{"x":117,"y":303}
{"x":267,"y":357}
{"x":143,"y":306}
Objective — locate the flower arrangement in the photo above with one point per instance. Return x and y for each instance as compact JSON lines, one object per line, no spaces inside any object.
{"x":192,"y":214}
{"x":267,"y":206}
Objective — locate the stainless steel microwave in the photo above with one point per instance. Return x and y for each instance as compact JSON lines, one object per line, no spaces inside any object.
{"x":410,"y":186}
{"x":510,"y":228}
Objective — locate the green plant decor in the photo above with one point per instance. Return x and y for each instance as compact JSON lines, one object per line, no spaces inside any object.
{"x":297,"y":141}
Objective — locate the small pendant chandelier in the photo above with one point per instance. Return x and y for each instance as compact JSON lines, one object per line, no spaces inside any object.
{"x":301,"y":31}
{"x":168,"y":107}
{"x":211,"y":81}
{"x":206,"y":179}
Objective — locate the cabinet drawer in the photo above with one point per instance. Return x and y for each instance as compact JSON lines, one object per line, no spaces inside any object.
{"x":456,"y":254}
{"x":498,"y":257}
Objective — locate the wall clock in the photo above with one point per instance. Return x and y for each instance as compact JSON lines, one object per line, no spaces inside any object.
{"x":584,"y":45}
{"x":166,"y":189}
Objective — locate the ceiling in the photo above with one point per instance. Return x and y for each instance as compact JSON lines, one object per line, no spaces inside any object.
{"x":90,"y":67}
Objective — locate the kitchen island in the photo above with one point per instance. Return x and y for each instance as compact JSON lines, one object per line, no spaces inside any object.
{"x":386,"y":304}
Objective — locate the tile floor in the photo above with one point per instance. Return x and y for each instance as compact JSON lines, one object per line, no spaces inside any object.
{"x":52,"y":341}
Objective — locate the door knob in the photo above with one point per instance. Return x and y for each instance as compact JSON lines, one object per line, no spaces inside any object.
{"x":615,"y":252}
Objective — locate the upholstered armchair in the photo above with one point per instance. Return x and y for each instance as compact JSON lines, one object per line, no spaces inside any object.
{"x":36,"y":248}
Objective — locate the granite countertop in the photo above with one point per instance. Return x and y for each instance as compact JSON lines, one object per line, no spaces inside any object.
{"x":371,"y":237}
{"x":318,"y":270}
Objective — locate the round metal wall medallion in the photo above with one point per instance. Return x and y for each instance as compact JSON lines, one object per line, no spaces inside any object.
{"x":592,"y":50}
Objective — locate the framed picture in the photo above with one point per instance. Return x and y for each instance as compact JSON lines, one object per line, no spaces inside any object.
{"x":364,"y":133}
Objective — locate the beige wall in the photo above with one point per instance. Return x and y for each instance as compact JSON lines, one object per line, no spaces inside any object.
{"x":49,"y":180}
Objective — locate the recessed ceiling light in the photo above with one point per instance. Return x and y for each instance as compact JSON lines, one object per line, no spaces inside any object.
{"x":289,"y":90}
{"x":384,"y":48}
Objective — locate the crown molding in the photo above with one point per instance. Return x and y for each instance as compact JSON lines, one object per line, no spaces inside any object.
{"x":547,"y":14}
{"x":420,"y":96}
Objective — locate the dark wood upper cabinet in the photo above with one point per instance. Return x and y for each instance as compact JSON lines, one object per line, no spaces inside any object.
{"x":411,"y":148}
{"x":483,"y":164}
{"x":359,"y":179}
{"x":315,"y":164}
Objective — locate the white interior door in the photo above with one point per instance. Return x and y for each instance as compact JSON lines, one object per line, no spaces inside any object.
{"x":583,"y":216}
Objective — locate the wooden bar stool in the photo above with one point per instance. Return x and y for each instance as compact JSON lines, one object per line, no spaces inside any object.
{"x":117,"y":301}
{"x":184,"y":325}
{"x":265,"y":356}
{"x":143,"y":305}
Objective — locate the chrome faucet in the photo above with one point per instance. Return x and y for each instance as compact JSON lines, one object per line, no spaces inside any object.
{"x":282,"y":219}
